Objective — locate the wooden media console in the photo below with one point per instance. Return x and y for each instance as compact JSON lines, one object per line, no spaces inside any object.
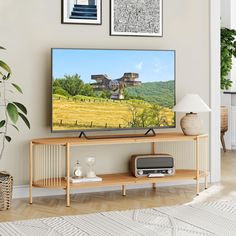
{"x":48,"y":156}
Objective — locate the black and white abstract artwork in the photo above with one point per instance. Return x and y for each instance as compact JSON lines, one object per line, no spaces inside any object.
{"x":136,"y":17}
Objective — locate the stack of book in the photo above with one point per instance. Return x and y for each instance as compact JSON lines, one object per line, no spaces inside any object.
{"x":75,"y":180}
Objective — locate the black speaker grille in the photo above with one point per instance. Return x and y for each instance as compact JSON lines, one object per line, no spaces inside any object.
{"x":155,"y":162}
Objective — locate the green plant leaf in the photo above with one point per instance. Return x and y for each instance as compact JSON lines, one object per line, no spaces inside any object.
{"x":18,"y":88}
{"x":5,"y":66}
{"x":12,"y":112}
{"x":15,"y":127}
{"x":8,"y":76}
{"x":21,"y":107}
{"x":23,"y":117}
{"x":228,"y":51}
{"x":8,"y":138}
{"x":2,"y":123}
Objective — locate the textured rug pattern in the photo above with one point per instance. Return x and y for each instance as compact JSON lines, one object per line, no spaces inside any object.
{"x":216,"y":218}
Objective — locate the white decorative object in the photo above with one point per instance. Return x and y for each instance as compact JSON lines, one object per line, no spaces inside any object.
{"x":91,"y":172}
{"x":85,"y":180}
{"x":78,"y":173}
{"x":191,"y":104}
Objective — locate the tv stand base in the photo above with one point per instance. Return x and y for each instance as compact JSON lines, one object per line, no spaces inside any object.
{"x":148,"y":133}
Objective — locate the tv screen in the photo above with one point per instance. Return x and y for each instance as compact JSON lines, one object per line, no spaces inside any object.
{"x":94,"y":89}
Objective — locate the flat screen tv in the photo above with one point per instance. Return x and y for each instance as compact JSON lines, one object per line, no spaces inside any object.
{"x":94,"y":89}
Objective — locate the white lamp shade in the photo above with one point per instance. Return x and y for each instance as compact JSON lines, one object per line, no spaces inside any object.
{"x":191,"y":103}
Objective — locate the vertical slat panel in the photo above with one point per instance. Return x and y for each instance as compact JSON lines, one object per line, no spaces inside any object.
{"x":36,"y":170}
{"x":57,"y":166}
{"x":47,"y":166}
{"x":67,"y":153}
{"x":44,"y":154}
{"x":57,"y":178}
{"x":41,"y":162}
{"x":54,"y":165}
{"x":50,"y":163}
{"x":60,"y":164}
{"x":183,"y":153}
{"x":48,"y":157}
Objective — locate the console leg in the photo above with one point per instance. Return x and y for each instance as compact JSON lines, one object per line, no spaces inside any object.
{"x":197,"y":166}
{"x":154,"y":186}
{"x":123,"y":190}
{"x":30,"y":195}
{"x":30,"y":173}
{"x":67,"y":197}
{"x":206,"y":164}
{"x":206,"y":183}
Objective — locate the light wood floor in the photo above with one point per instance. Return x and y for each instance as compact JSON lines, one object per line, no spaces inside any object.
{"x":142,"y":198}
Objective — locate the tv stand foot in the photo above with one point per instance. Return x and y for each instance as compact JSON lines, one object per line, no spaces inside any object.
{"x":123,"y":190}
{"x":152,"y":131}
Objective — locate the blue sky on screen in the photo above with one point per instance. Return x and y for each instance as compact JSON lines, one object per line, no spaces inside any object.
{"x":152,"y":66}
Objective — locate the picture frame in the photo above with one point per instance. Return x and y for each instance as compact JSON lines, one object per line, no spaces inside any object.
{"x":87,"y":12}
{"x":132,"y":18}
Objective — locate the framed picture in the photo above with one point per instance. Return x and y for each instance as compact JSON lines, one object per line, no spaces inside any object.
{"x":82,"y":12}
{"x":136,"y":17}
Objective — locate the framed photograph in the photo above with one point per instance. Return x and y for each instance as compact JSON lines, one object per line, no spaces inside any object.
{"x":136,"y":17}
{"x":82,"y":12}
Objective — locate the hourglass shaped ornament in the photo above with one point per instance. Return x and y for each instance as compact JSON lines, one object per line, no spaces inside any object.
{"x":90,"y":161}
{"x":78,"y":173}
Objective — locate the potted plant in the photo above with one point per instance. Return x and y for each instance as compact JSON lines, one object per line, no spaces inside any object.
{"x":228,"y":51}
{"x":11,"y":111}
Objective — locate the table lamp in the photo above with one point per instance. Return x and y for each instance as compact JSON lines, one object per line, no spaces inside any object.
{"x":191,"y":104}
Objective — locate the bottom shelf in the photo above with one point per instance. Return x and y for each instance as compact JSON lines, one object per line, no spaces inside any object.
{"x":118,"y":180}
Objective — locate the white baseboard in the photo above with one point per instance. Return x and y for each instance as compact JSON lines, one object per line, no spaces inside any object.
{"x":23,"y":190}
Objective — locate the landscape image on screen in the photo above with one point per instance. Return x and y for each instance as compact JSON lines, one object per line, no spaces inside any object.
{"x":112,"y":89}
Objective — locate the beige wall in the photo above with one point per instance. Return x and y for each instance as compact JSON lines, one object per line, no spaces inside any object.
{"x":30,"y":28}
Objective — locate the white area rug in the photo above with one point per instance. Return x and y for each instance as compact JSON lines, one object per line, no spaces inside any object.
{"x":216,"y":218}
